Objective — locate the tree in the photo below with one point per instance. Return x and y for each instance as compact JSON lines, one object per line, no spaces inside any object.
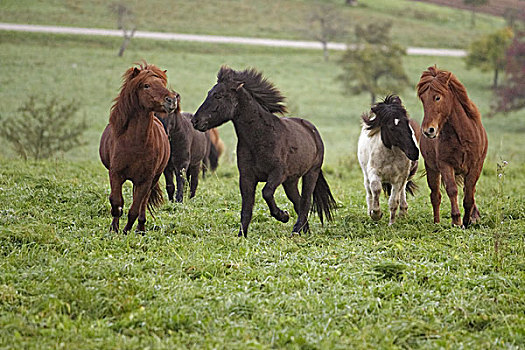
{"x":488,"y":53}
{"x":43,"y":128}
{"x":374,"y":64}
{"x":125,"y":22}
{"x":325,"y":25}
{"x":473,"y":4}
{"x":511,"y":96}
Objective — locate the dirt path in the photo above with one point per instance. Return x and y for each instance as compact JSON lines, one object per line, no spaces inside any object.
{"x":214,"y":39}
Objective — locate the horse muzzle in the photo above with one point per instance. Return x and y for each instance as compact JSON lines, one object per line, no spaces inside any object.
{"x":169,"y":104}
{"x":430,"y":132}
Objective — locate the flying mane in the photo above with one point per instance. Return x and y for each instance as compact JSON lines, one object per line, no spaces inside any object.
{"x":263,"y":91}
{"x":391,"y":107}
{"x":126,"y":103}
{"x":441,"y":81}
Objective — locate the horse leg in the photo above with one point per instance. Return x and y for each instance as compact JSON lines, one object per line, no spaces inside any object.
{"x":434,"y":181}
{"x":193,"y":174}
{"x":274,"y":179}
{"x":368,"y":194}
{"x":116,"y":200}
{"x":375,"y":187}
{"x":471,"y":214}
{"x":309,"y":182}
{"x":141,"y":221}
{"x":170,"y":186}
{"x":179,"y":177}
{"x":393,"y":202}
{"x":452,"y":191}
{"x":292,"y":192}
{"x":403,"y":205}
{"x":140,"y":193}
{"x":247,"y":186}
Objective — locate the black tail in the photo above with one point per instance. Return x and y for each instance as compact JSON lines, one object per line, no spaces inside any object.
{"x":411,"y":187}
{"x":213,"y":157}
{"x":323,"y":203}
{"x":155,"y":199}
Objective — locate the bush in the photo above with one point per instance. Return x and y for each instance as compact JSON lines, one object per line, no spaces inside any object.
{"x":41,"y":129}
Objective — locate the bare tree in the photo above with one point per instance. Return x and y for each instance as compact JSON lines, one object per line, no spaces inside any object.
{"x":325,"y":24}
{"x":125,"y":22}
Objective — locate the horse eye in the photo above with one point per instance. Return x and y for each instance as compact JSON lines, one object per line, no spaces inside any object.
{"x":437,"y":98}
{"x":217,"y":96}
{"x":146,"y":86}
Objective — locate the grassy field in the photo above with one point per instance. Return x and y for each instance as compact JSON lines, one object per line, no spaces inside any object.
{"x":189,"y":282}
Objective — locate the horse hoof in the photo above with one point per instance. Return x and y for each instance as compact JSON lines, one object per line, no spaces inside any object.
{"x":283,"y":216}
{"x":376,"y":215}
{"x":295,"y":234}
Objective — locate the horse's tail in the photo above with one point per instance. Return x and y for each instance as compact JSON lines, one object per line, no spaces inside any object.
{"x":156,"y":199}
{"x":323,"y":202}
{"x":213,"y":157}
{"x":411,"y":187}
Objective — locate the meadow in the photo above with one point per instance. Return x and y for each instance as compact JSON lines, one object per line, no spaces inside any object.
{"x":189,"y":282}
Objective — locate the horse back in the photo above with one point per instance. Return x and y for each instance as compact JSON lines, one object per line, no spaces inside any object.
{"x":302,"y":142}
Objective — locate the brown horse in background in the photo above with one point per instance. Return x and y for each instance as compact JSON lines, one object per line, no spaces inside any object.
{"x":191,"y":150}
{"x":454,"y":142}
{"x":134,"y":145}
{"x":217,"y":142}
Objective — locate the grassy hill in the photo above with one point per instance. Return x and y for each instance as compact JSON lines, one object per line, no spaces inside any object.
{"x":66,"y":282}
{"x":414,"y":23}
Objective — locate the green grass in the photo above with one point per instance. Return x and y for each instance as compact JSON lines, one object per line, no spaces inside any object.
{"x":437,"y":26}
{"x":189,"y":282}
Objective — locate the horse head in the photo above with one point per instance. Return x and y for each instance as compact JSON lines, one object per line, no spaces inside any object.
{"x":392,"y":118}
{"x":221,"y":102}
{"x":435,"y":92}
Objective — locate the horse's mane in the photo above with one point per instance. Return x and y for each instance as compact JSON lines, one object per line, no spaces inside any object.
{"x":391,"y":107}
{"x":126,"y":103}
{"x":263,"y":91}
{"x":441,"y":81}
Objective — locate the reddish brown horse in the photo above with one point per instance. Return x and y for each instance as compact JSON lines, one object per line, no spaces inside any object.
{"x":134,"y":145}
{"x":455,"y":142}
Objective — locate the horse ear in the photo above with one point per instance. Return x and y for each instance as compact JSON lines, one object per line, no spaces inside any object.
{"x":239,"y":86}
{"x":135,"y":72}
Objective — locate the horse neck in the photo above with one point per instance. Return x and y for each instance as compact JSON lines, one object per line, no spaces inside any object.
{"x":460,"y":121}
{"x":253,"y":124}
{"x":137,"y":126}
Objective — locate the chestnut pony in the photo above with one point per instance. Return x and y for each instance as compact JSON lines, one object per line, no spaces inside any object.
{"x":454,"y":143}
{"x":134,"y":145}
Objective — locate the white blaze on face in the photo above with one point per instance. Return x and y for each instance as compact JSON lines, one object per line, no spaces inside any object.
{"x":396,"y":121}
{"x":413,"y":134}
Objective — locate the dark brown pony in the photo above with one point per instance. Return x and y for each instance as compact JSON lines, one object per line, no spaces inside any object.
{"x":269,"y":149}
{"x":134,"y":145}
{"x":454,"y":142}
{"x":191,"y":150}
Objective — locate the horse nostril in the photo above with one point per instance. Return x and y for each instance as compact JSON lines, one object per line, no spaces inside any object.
{"x":431,"y":130}
{"x":168,"y":99}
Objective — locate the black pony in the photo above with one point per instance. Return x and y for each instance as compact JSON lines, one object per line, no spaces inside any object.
{"x":269,"y":149}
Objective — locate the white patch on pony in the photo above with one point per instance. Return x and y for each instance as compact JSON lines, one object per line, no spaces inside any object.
{"x":396,"y":121}
{"x":413,"y":134}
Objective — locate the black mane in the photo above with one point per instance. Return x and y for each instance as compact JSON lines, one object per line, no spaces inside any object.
{"x":263,"y":91}
{"x":390,"y":108}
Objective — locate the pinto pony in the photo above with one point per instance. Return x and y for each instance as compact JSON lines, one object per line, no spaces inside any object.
{"x":191,"y":150}
{"x":134,"y":145}
{"x":455,"y":142}
{"x":269,"y":149}
{"x":388,"y":155}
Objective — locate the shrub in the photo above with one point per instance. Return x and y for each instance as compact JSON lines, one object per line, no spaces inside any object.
{"x":41,"y":129}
